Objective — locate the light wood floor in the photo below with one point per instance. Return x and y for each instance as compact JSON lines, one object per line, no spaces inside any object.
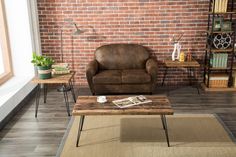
{"x":25,"y":135}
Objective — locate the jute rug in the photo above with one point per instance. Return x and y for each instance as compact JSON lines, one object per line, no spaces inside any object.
{"x":191,"y":135}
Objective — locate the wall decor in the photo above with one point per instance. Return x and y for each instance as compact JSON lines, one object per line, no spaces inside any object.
{"x":226,"y":26}
{"x":182,"y":57}
{"x":217,"y":24}
{"x":189,"y":57}
{"x":222,"y":41}
{"x":177,"y":47}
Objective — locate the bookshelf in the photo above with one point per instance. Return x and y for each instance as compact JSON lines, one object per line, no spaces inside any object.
{"x":220,"y":53}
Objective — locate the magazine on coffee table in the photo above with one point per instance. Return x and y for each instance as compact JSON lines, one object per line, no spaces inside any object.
{"x":131,"y":101}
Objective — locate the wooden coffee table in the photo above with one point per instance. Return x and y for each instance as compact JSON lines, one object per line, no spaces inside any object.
{"x":88,"y":105}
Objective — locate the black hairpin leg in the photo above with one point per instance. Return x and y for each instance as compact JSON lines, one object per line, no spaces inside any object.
{"x":162,"y":120}
{"x":45,"y":92}
{"x":198,"y":91}
{"x":166,"y":130}
{"x":72,"y":90}
{"x":164,"y":77}
{"x":197,"y":85}
{"x":66,"y":100}
{"x":189,"y":75}
{"x":82,"y":117}
{"x":192,"y":76}
{"x":81,"y":122}
{"x":37,"y":97}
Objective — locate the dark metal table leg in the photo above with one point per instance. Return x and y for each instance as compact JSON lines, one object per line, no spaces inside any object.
{"x":72,"y":91}
{"x":162,"y":120}
{"x":163,"y":80}
{"x":82,"y":117}
{"x":45,"y":92}
{"x":66,"y":100}
{"x":198,"y":91}
{"x":81,"y":122}
{"x":197,"y":84}
{"x":189,"y":75}
{"x":166,"y":130}
{"x":37,"y":97}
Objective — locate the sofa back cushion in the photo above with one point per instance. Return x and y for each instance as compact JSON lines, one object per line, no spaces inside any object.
{"x":121,"y":56}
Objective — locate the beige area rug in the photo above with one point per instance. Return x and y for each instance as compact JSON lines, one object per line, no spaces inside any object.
{"x":191,"y":135}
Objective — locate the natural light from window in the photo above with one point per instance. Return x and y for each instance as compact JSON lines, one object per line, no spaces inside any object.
{"x":1,"y":61}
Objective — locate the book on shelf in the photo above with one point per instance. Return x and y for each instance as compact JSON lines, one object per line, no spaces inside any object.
{"x":220,"y":6}
{"x":131,"y":101}
{"x":219,"y":60}
{"x":216,"y":57}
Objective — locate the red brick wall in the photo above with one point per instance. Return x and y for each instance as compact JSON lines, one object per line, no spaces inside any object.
{"x":148,"y":22}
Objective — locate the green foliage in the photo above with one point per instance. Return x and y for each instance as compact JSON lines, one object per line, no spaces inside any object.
{"x":41,"y":60}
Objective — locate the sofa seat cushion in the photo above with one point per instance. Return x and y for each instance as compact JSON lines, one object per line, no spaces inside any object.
{"x":134,"y":76}
{"x":107,"y":77}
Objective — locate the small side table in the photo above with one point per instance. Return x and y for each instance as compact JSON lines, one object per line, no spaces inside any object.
{"x":190,"y":66}
{"x":67,"y":85}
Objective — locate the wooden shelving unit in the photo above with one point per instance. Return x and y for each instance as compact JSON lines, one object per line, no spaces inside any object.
{"x":216,"y":69}
{"x":222,"y":13}
{"x":211,"y":49}
{"x":217,"y":32}
{"x":229,"y":50}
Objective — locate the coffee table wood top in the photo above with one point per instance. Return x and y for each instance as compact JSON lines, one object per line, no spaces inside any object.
{"x":88,"y":105}
{"x":191,"y":64}
{"x":56,"y":79}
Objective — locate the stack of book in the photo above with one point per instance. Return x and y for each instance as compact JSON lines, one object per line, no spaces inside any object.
{"x":219,"y":60}
{"x":220,"y":6}
{"x":60,"y":68}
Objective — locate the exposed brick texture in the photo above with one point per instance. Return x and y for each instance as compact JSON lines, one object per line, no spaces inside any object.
{"x":147,"y":22}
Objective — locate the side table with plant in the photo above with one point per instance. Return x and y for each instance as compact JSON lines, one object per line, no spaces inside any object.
{"x":44,"y":65}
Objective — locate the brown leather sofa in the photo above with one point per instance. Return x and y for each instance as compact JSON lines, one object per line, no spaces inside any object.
{"x":121,"y":69}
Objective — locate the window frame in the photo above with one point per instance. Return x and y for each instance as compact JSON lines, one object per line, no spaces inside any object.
{"x":5,"y":45}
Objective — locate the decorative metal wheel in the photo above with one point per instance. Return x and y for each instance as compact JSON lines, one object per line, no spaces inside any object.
{"x":222,"y":41}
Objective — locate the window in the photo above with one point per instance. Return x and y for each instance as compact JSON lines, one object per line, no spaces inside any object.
{"x":1,"y":61}
{"x":5,"y":57}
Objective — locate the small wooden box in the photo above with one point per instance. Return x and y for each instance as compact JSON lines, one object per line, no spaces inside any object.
{"x":218,"y":80}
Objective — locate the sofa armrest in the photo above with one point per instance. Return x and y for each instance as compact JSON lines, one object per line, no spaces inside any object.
{"x":151,"y":68}
{"x":91,"y":70}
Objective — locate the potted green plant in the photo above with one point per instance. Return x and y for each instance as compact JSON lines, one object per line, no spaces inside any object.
{"x":44,"y":65}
